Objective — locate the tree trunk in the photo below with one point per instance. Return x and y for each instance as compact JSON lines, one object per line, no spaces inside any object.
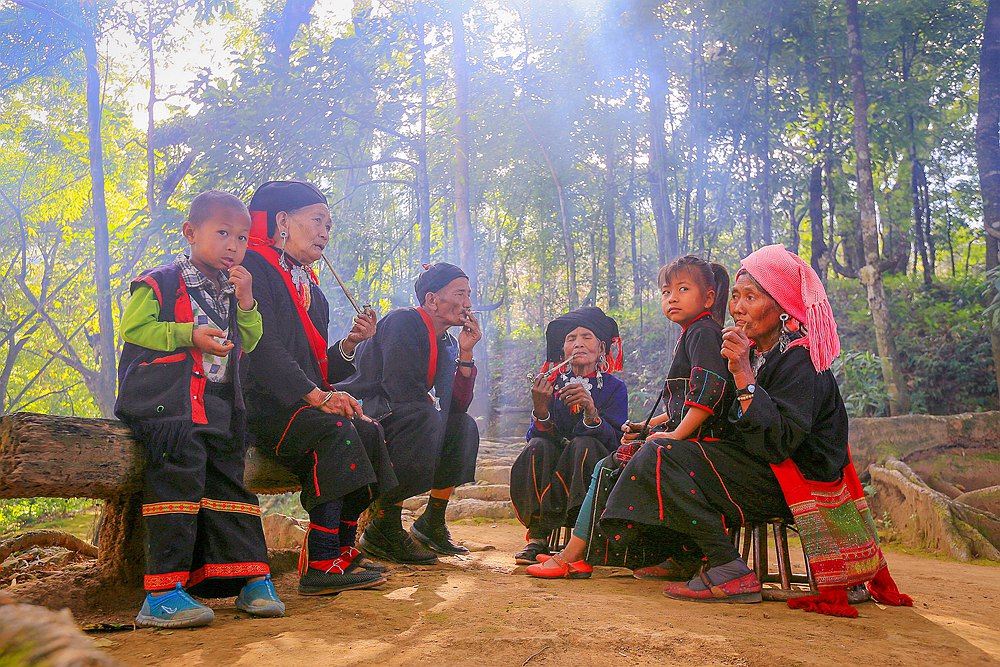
{"x":423,"y":175}
{"x":610,"y":193}
{"x":150,"y":128}
{"x":917,"y":196}
{"x":988,"y":149}
{"x":871,"y":274}
{"x":666,"y":224}
{"x":766,"y":217}
{"x":818,"y":250}
{"x":48,"y":456}
{"x":106,"y":380}
{"x":463,"y":214}
{"x":916,"y":173}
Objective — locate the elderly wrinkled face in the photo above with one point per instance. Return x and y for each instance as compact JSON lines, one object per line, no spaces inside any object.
{"x":754,"y":310}
{"x":452,"y":303}
{"x":583,"y":346}
{"x":307,"y":229}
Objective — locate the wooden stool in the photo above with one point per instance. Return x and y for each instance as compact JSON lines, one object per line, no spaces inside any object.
{"x":751,"y":540}
{"x":559,"y":537}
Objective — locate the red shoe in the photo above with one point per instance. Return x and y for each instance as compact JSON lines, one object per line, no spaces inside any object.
{"x":669,"y":570}
{"x":541,"y":558}
{"x":581,"y":569}
{"x":745,"y":590}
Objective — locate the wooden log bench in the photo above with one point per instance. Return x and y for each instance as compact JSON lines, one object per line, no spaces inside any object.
{"x":48,"y":456}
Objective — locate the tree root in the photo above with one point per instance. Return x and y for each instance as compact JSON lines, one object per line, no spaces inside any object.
{"x":46,"y":538}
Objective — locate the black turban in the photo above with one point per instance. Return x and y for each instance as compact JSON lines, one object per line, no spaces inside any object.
{"x":589,"y":317}
{"x":275,"y":196}
{"x":434,"y":278}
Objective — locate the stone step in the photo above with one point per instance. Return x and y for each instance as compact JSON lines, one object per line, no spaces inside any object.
{"x":465,"y":508}
{"x":493,"y":474}
{"x":488,"y":492}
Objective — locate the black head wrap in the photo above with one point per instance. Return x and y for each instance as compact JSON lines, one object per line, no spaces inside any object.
{"x":275,"y":196}
{"x":434,"y":278}
{"x":590,"y":317}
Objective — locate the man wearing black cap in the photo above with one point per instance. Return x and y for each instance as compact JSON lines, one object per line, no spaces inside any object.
{"x":432,"y":447}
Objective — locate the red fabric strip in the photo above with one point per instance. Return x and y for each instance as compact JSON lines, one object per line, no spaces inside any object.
{"x":226,"y":570}
{"x":322,"y":529}
{"x":316,"y":340}
{"x":184,"y":313}
{"x":705,"y":314}
{"x":432,"y":362}
{"x":164,"y":582}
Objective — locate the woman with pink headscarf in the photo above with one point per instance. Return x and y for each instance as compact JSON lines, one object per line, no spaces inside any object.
{"x":790,"y":458}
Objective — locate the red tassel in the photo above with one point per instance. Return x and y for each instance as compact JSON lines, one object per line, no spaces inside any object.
{"x":616,"y":355}
{"x":884,"y":590}
{"x":832,"y":602}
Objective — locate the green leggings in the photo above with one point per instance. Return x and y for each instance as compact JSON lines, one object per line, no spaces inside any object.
{"x":582,"y":527}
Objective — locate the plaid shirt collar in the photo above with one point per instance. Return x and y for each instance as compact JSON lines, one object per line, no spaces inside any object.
{"x":195,"y":279}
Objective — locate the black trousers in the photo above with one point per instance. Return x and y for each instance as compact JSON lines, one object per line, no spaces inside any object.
{"x":428,"y":450}
{"x":549,"y":481}
{"x":203,"y":528}
{"x":698,"y":490}
{"x":331,"y":455}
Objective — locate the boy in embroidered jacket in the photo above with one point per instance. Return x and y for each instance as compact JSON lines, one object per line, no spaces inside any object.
{"x":185,"y":327}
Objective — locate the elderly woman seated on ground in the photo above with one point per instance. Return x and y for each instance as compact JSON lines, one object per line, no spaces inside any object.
{"x":579,"y":408}
{"x":789,"y":458}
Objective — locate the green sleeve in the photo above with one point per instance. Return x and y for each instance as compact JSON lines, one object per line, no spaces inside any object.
{"x":251,"y":326}
{"x":141,"y":325}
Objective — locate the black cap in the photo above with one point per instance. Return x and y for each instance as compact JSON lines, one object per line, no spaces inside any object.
{"x":275,"y":196}
{"x":434,"y":278}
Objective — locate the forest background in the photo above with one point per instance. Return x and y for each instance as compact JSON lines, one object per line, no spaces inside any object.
{"x":560,"y":151}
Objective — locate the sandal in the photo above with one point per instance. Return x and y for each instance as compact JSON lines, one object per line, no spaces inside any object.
{"x":581,"y":569}
{"x":529,"y":554}
{"x":745,"y":590}
{"x":669,"y":570}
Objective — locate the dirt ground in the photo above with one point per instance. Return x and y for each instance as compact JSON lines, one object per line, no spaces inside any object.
{"x":482,"y":609}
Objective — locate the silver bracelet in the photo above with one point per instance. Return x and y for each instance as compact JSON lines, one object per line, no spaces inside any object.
{"x":589,"y":425}
{"x":539,"y":419}
{"x":326,"y":399}
{"x":347,"y":357}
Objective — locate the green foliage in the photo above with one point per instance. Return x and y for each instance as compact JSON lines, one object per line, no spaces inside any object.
{"x":859,"y":374}
{"x":942,"y":340}
{"x":561,"y":152}
{"x":19,"y":513}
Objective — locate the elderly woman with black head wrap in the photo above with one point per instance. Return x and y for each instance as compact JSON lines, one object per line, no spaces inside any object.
{"x":433,"y":442}
{"x":295,"y":415}
{"x":576,"y":421}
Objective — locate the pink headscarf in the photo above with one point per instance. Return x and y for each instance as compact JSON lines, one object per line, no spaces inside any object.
{"x":799,"y":291}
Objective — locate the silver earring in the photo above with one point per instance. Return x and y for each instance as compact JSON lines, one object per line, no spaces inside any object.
{"x":784,"y":323}
{"x":281,"y":258}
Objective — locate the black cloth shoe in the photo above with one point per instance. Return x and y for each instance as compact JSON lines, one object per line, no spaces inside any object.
{"x":436,"y":538}
{"x":318,"y":582}
{"x":529,"y":554}
{"x":359,"y":562}
{"x":394,"y":546}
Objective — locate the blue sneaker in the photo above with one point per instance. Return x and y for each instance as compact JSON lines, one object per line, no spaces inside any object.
{"x":259,"y":598}
{"x":176,"y":609}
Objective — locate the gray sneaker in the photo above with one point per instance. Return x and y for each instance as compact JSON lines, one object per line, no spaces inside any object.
{"x":259,"y":598}
{"x":176,"y":609}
